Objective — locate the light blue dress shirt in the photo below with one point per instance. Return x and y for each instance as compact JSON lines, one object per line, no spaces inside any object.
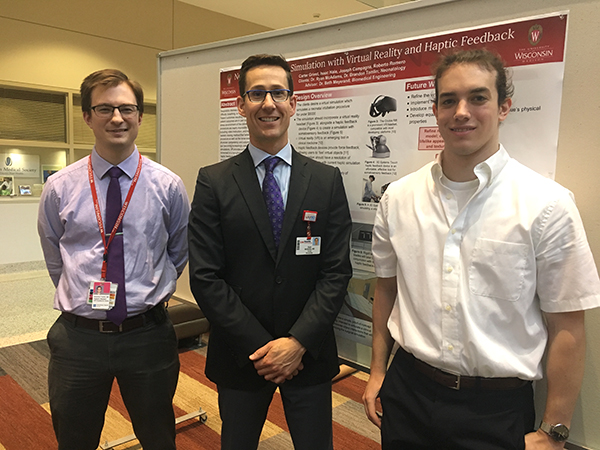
{"x":154,"y":233}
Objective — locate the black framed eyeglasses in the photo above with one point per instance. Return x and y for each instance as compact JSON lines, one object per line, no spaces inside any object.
{"x":259,"y":95}
{"x":106,"y":111}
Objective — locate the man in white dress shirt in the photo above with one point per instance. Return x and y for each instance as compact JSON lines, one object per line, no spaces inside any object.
{"x":483,"y":266}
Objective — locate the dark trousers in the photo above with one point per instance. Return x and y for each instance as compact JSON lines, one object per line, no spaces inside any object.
{"x":307,"y":412}
{"x":419,"y":414}
{"x":83,"y":365}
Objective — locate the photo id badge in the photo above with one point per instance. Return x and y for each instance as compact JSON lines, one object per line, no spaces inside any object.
{"x":308,"y":246}
{"x":102,"y":294}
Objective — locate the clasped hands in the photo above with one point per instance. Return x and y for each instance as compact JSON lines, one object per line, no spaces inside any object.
{"x":279,"y":360}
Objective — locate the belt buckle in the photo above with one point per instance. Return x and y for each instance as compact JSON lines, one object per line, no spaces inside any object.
{"x":102,"y":330}
{"x":456,"y":386}
{"x":457,"y":376}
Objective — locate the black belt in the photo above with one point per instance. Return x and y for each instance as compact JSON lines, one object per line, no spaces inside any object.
{"x":457,"y":382}
{"x":153,"y":315}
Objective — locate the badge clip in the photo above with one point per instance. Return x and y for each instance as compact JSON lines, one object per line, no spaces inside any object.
{"x":308,"y":217}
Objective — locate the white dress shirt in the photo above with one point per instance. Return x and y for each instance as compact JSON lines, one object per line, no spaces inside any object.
{"x":473,"y":282}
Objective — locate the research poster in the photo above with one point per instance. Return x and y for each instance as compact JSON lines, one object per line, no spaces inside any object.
{"x":368,"y":111}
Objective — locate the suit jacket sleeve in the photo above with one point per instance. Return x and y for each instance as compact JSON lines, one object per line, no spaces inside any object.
{"x":325,"y":302}
{"x":217,"y":299}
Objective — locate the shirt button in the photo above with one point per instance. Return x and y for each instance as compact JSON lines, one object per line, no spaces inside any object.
{"x":449,"y":269}
{"x":450,"y":347}
{"x":448,"y":196}
{"x":278,"y":280}
{"x":453,"y":231}
{"x":448,"y":308}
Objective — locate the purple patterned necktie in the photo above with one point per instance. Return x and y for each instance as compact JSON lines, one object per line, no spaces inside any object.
{"x":115,"y":265}
{"x":273,"y":198}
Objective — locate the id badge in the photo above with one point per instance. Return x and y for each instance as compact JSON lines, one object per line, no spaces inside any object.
{"x":102,"y":295}
{"x":308,"y":246}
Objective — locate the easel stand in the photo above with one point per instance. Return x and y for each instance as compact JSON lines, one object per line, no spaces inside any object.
{"x":110,"y":445}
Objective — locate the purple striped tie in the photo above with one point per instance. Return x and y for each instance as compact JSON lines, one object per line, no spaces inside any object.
{"x":273,"y":198}
{"x":115,"y":265}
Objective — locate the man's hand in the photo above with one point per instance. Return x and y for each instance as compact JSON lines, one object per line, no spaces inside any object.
{"x":370,"y":398}
{"x":385,"y":296}
{"x":279,"y":360}
{"x":564,"y":372}
{"x":538,"y":440}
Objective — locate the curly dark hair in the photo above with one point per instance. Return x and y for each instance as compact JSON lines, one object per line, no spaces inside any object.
{"x":485,"y":59}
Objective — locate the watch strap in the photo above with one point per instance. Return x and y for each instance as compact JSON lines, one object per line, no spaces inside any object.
{"x":558,"y":432}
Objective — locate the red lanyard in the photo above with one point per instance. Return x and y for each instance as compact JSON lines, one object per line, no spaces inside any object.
{"x":121,"y":214}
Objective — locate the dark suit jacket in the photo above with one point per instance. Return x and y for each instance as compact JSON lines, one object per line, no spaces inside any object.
{"x":252,"y":293}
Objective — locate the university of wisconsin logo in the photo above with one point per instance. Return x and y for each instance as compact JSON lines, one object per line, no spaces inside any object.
{"x":535,"y":34}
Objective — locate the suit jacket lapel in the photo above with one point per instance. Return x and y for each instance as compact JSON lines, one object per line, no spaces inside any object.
{"x":299,"y":182}
{"x":244,"y":174}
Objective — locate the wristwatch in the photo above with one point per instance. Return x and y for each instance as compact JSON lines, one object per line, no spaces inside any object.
{"x":558,"y":432}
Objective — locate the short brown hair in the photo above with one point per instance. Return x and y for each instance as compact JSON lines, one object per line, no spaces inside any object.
{"x":108,"y":78}
{"x":485,"y":59}
{"x":264,"y":60}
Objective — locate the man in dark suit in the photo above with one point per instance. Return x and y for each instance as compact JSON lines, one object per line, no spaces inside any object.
{"x":269,"y":266}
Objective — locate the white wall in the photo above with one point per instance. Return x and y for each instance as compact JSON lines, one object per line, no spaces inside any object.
{"x":20,"y":242}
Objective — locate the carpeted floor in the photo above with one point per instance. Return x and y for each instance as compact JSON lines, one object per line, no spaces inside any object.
{"x":25,"y":422}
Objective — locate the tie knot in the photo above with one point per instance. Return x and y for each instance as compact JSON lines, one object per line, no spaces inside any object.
{"x":115,"y":172}
{"x":271,"y":162}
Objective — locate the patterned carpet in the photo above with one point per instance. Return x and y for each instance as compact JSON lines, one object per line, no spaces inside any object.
{"x":25,"y":422}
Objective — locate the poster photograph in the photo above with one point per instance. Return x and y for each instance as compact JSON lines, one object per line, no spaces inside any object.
{"x":7,"y":186}
{"x":48,"y":170}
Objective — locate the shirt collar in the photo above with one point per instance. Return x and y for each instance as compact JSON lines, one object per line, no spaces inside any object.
{"x":489,"y":169}
{"x":259,"y":155}
{"x":485,"y":171}
{"x":101,"y":166}
{"x":436,"y":169}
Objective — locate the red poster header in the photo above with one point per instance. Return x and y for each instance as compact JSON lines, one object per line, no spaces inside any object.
{"x":536,"y":41}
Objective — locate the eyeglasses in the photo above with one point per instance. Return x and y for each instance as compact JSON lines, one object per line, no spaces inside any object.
{"x":259,"y":95}
{"x":106,"y":111}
